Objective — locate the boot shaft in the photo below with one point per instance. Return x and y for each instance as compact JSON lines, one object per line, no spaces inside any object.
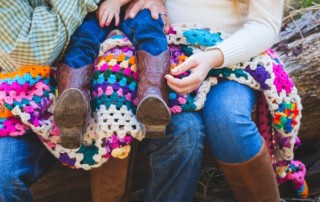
{"x":68,"y":77}
{"x":151,"y":72}
{"x":253,"y":180}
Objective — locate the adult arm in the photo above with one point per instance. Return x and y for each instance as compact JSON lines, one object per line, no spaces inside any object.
{"x":38,"y":34}
{"x":257,"y":35}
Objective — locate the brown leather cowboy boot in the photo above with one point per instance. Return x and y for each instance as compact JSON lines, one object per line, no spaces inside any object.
{"x":108,"y":182}
{"x":253,"y":180}
{"x":152,"y":109}
{"x":112,"y":181}
{"x":73,"y":105}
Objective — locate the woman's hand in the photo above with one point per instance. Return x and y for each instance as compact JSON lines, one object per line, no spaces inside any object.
{"x":156,"y":8}
{"x":199,"y":64}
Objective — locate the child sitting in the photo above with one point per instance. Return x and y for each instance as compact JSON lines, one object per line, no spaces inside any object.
{"x":75,"y":72}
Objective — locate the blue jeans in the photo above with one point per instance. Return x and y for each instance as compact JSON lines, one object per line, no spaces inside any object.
{"x":232,"y":136}
{"x":23,"y":160}
{"x":144,"y":32}
{"x":176,"y":159}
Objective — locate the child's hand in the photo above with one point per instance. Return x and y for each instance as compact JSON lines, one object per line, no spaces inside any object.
{"x":109,"y":10}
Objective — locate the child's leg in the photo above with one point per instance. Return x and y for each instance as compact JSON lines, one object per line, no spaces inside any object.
{"x":74,"y":79}
{"x":153,"y":60}
{"x":85,"y":42}
{"x":146,"y":33}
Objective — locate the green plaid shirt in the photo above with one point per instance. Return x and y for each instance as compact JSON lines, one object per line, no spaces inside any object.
{"x":36,"y":32}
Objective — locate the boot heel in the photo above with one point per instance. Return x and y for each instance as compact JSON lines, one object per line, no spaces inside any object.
{"x":154,"y":131}
{"x":153,"y":111}
{"x":71,"y":140}
{"x":70,"y":115}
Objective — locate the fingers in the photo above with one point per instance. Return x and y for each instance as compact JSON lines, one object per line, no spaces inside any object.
{"x":106,"y":17}
{"x":184,"y":85}
{"x":154,"y":6}
{"x":167,"y":25}
{"x":171,"y":81}
{"x":182,"y":91}
{"x":103,"y":16}
{"x":109,"y":19}
{"x":133,"y":9}
{"x":154,"y":10}
{"x":127,"y":11}
{"x":103,"y":20}
{"x":186,"y":81}
{"x":140,"y":5}
{"x":166,"y":22}
{"x":117,"y":19}
{"x":188,"y":64}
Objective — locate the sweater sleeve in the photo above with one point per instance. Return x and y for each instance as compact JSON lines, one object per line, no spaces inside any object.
{"x":38,"y":34}
{"x":257,"y":34}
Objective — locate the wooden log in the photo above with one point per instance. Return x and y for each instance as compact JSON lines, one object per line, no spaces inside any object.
{"x":294,"y":29}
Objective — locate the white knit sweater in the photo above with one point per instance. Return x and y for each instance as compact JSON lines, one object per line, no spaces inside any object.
{"x":253,"y":30}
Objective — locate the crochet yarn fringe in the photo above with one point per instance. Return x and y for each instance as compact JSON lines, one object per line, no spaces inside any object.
{"x":27,"y":98}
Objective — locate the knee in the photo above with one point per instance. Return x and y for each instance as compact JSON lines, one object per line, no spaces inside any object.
{"x":229,"y":104}
{"x":185,"y":122}
{"x":224,"y":116}
{"x":145,"y":17}
{"x":187,"y":129}
{"x":233,"y":136}
{"x":227,"y":125}
{"x":184,"y":135}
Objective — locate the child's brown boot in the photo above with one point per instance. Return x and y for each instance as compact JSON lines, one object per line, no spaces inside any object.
{"x":73,"y":110}
{"x":152,"y":109}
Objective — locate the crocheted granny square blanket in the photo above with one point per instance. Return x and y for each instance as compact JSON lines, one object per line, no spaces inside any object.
{"x":27,"y":99}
